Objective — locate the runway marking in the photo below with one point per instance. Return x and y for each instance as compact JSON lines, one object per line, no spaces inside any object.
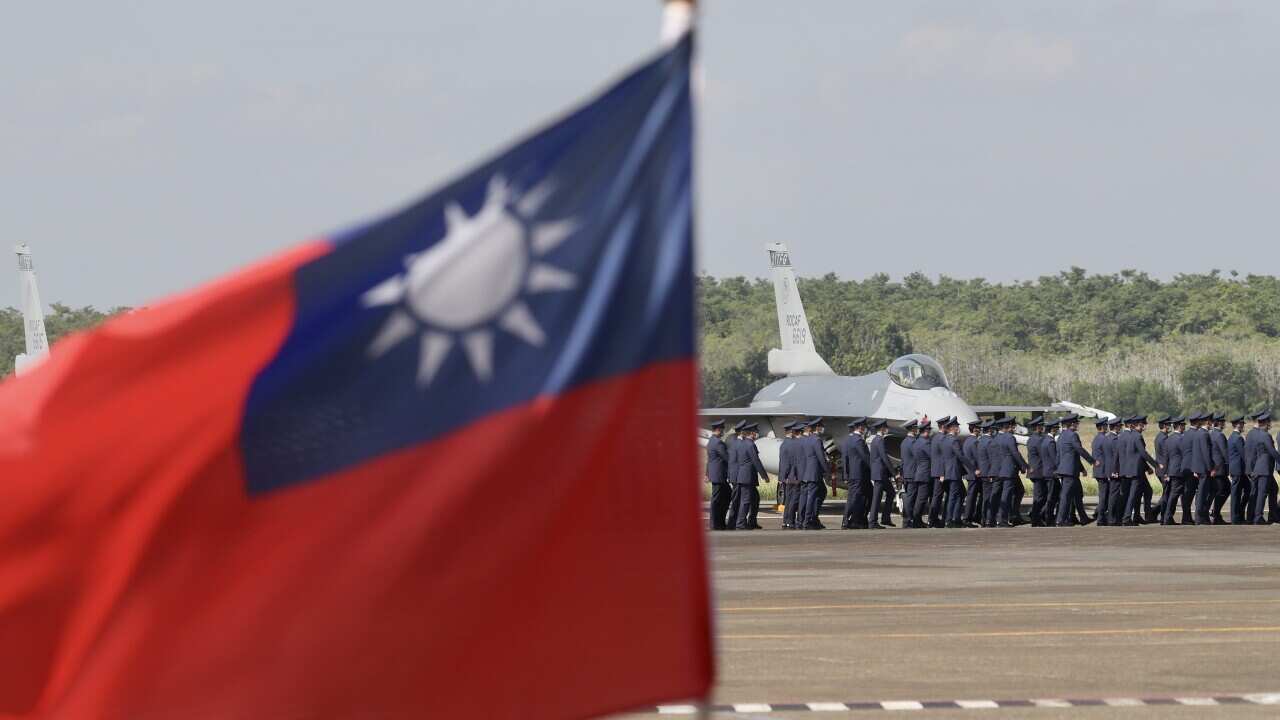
{"x":995,"y":605}
{"x":1012,"y":633}
{"x":925,"y":705}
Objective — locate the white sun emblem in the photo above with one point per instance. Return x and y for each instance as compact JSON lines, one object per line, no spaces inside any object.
{"x":473,"y":282}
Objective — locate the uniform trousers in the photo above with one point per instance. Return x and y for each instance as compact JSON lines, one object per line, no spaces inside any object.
{"x":791,"y":493}
{"x":1066,"y":505}
{"x":855,"y":504}
{"x":973,"y":500}
{"x":1102,"y":513}
{"x":1116,"y":500}
{"x":1241,"y":490}
{"x":815,"y":494}
{"x":1132,"y":498}
{"x":748,"y":506}
{"x":937,"y":500}
{"x":1205,"y":495}
{"x":1041,"y":489}
{"x":1178,"y":492}
{"x":731,"y":521}
{"x":719,"y":504}
{"x":1264,"y":491}
{"x":992,"y":495}
{"x":881,"y":502}
{"x":1055,"y":497}
{"x":955,"y":501}
{"x":1222,"y":484}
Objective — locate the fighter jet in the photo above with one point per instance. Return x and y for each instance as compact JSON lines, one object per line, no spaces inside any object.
{"x":912,"y":387}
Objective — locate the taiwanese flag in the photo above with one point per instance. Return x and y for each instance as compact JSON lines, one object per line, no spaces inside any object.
{"x":441,"y":465}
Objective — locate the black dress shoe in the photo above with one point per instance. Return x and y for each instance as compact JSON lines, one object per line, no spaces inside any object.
{"x":972,"y":525}
{"x":888,"y":523}
{"x":877,"y":526}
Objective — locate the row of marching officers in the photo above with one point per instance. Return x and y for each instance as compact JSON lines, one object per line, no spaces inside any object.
{"x":953,"y":481}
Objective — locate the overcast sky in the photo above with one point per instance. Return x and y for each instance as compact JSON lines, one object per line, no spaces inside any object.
{"x":148,"y":146}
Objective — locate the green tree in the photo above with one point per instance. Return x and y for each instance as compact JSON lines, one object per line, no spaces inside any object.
{"x":1220,"y":383}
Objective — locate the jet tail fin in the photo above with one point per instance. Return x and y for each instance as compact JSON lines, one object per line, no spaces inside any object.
{"x":32,"y":313}
{"x":798,"y":355}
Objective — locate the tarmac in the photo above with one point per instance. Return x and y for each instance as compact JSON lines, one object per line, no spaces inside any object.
{"x":1134,"y":622}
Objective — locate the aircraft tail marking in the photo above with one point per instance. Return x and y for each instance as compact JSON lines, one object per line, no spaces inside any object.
{"x":798,"y":355}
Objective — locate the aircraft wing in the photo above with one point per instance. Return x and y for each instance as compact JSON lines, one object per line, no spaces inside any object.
{"x":745,"y":412}
{"x":1061,"y":407}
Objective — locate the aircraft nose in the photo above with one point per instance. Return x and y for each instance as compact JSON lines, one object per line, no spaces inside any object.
{"x":943,"y":403}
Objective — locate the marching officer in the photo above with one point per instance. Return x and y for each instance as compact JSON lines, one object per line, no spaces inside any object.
{"x":881,"y":478}
{"x":1177,"y":470}
{"x":734,"y":444}
{"x":815,"y":472}
{"x":1009,"y":466}
{"x":1162,"y":460}
{"x":973,"y":494}
{"x":749,"y":467}
{"x":1235,"y":466}
{"x":935,"y":474}
{"x":1069,"y":468}
{"x":991,"y":490}
{"x":954,"y":467}
{"x":1040,"y":483}
{"x":1134,"y":464}
{"x":1260,"y":450}
{"x":718,"y":474}
{"x":1101,"y":474}
{"x":908,"y":452}
{"x":1200,"y":464}
{"x":855,"y":462}
{"x":789,"y":477}
{"x":1220,"y":471}
{"x":923,"y":466}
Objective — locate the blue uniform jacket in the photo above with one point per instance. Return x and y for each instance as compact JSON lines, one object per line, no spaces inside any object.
{"x":1036,"y":471}
{"x":953,"y":460}
{"x":969,"y":446}
{"x":717,"y":461}
{"x":749,"y":466}
{"x":881,"y":466}
{"x":1264,"y":453}
{"x":1069,"y":454}
{"x":811,"y":450}
{"x":855,"y":459}
{"x":983,"y":451}
{"x":1049,"y":451}
{"x":923,"y":448}
{"x":935,"y":454}
{"x":1173,"y":446}
{"x":1235,"y":454}
{"x":1007,"y":460}
{"x":1112,"y":460}
{"x":1099,"y":448}
{"x":1162,"y":454}
{"x":908,"y":452}
{"x":1134,"y":457}
{"x":1218,"y":452}
{"x":1201,"y":459}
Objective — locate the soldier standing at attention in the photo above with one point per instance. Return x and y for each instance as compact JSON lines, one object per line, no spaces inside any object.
{"x":881,"y":478}
{"x":908,"y":452}
{"x":973,"y":494}
{"x":855,"y":465}
{"x":923,"y":466}
{"x":733,"y":444}
{"x":1235,"y":465}
{"x":1040,"y":485}
{"x":1162,"y":459}
{"x":749,"y":467}
{"x":815,"y":468}
{"x":1220,"y":471}
{"x":788,"y":478}
{"x":1069,"y":468}
{"x":718,"y":474}
{"x":1177,"y":474}
{"x":1100,"y":471}
{"x":990,"y":483}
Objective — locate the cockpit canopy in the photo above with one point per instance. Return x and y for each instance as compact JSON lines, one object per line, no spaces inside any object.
{"x":918,"y":372}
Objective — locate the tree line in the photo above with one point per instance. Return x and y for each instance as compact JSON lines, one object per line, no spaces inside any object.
{"x":1125,"y":342}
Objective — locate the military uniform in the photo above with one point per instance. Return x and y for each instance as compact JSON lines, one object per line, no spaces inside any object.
{"x":1101,"y":473}
{"x":973,"y":494}
{"x":747,"y":477}
{"x":881,"y":479}
{"x":789,"y":477}
{"x":1177,"y":474}
{"x":814,"y":453}
{"x":908,"y":453}
{"x":1069,"y":468}
{"x":1009,"y":466}
{"x":855,"y":462}
{"x":936,"y":489}
{"x":1135,"y":462}
{"x":954,"y":468}
{"x":1219,"y":472}
{"x":922,"y":480}
{"x":1162,"y":464}
{"x":1261,"y":457}
{"x":1240,"y":489}
{"x":718,"y":476}
{"x":733,"y":445}
{"x":991,"y":490}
